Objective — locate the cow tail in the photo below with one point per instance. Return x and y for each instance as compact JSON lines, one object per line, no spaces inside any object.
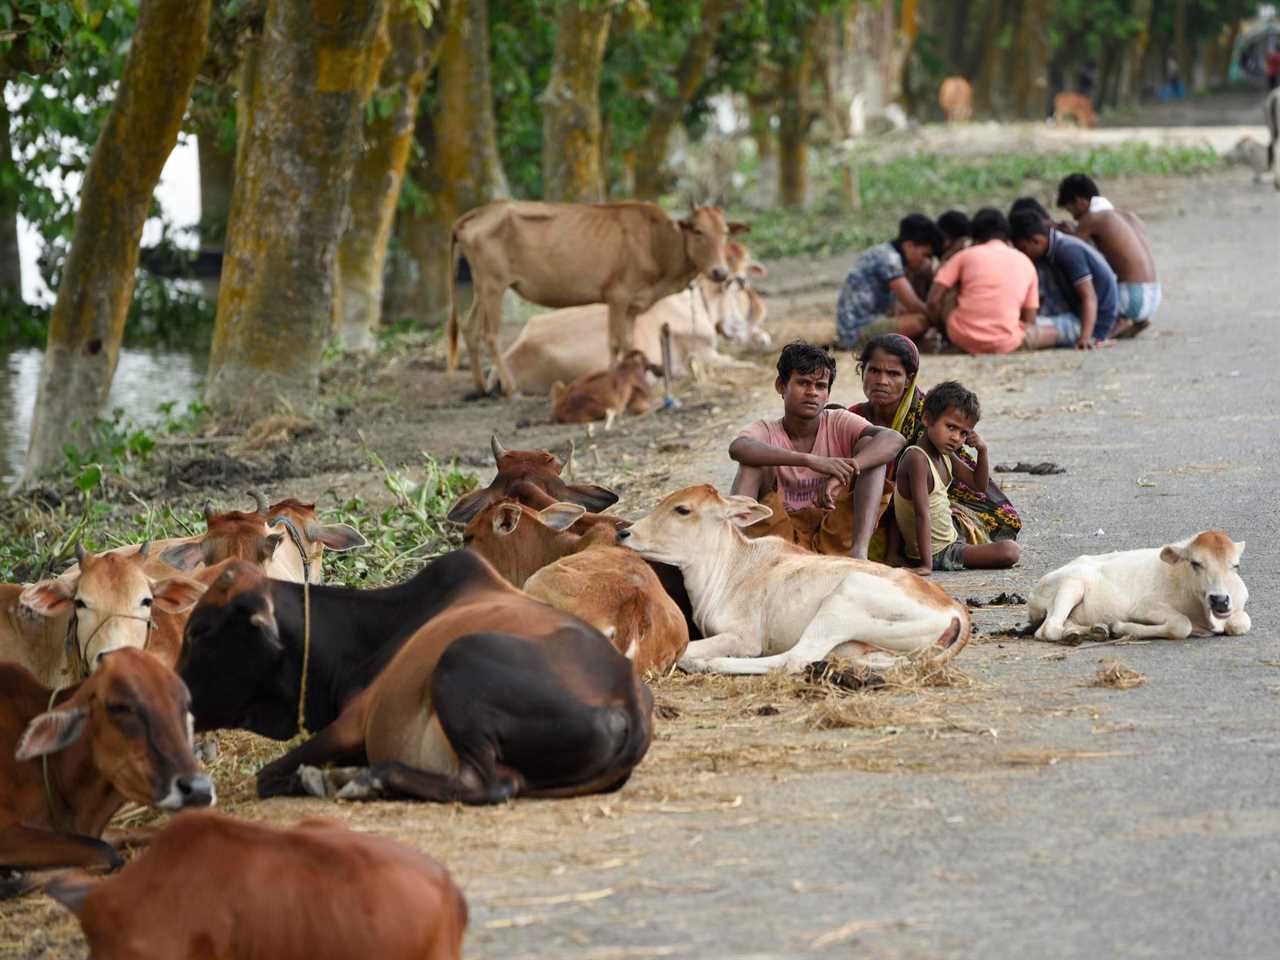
{"x":451,"y":364}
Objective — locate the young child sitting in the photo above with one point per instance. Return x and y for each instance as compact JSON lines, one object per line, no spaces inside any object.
{"x":920,"y":503}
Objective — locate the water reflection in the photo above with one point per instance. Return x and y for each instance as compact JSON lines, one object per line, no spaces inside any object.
{"x":144,"y":380}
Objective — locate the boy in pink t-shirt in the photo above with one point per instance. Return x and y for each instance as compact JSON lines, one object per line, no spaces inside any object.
{"x":812,"y":452}
{"x":997,"y":290}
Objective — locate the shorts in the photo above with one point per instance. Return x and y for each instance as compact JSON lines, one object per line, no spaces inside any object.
{"x":1138,"y":301}
{"x":1067,"y":325}
{"x":950,"y":557}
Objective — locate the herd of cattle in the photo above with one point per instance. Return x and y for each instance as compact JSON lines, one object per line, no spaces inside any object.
{"x":513,"y":667}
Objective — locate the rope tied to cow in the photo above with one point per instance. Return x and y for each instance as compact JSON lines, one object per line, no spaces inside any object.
{"x":77,"y":653}
{"x":296,"y":536}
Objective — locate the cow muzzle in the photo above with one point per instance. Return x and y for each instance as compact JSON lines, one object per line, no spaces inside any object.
{"x":1220,"y":604}
{"x":189,"y":790}
{"x":718,"y":274}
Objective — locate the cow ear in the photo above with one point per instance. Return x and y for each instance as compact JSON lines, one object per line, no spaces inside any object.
{"x":469,"y":505}
{"x":506,"y":518}
{"x":183,"y":556}
{"x":1239,"y":550}
{"x":176,"y":594}
{"x":49,"y":598}
{"x":757,"y":269}
{"x":744,"y":511}
{"x":1171,"y":554}
{"x":51,"y":732}
{"x":561,"y":516}
{"x":686,"y":224}
{"x":592,"y":497}
{"x":337,"y":536}
{"x":735,"y":228}
{"x":270,"y":544}
{"x":71,"y":889}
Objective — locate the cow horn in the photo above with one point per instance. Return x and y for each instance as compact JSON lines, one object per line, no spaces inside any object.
{"x":143,"y":548}
{"x":499,"y":451}
{"x":80,"y":552}
{"x":209,"y":511}
{"x":259,"y":501}
{"x":568,"y":460}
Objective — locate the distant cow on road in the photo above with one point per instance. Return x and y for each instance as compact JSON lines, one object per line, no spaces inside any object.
{"x":1076,"y":106}
{"x":955,"y":96}
{"x":626,"y":255}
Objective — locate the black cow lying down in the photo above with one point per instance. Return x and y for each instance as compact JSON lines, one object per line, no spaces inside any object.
{"x":453,"y":686}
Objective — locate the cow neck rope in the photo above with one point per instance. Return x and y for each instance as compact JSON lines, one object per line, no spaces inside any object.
{"x":81,"y":665}
{"x":296,"y":537}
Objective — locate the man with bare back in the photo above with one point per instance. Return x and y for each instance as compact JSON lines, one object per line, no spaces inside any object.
{"x":1121,"y":238}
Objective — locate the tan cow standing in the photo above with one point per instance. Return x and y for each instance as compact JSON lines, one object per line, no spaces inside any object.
{"x":769,"y":605}
{"x":567,"y":344}
{"x":625,"y":255}
{"x":955,"y":96}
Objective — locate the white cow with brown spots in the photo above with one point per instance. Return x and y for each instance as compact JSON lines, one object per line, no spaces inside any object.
{"x":769,"y":605}
{"x":1173,"y":591}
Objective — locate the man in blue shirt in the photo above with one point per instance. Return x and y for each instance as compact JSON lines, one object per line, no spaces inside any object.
{"x":1088,"y":282}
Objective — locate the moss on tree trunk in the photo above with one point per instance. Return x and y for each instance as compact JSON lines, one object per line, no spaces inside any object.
{"x":795,"y":117}
{"x":89,"y":315}
{"x":571,"y":103}
{"x":379,"y":175}
{"x":303,"y":95}
{"x":10,"y":263}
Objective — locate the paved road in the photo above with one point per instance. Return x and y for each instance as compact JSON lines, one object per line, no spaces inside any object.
{"x":1165,"y":845}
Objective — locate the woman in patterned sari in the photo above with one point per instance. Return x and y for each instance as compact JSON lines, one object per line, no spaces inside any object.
{"x":889,"y":367}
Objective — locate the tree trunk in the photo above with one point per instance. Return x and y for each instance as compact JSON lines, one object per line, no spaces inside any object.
{"x":217,"y":178}
{"x":379,"y":175}
{"x":651,"y":154}
{"x":760,"y":109}
{"x":10,"y":262}
{"x":1031,"y":54}
{"x":306,"y":89}
{"x":793,"y":129}
{"x":571,"y":104}
{"x":1137,"y":53}
{"x":1181,"y":48}
{"x":460,"y":167}
{"x":97,"y":284}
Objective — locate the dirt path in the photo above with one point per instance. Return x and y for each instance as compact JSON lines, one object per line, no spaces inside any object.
{"x":1011,"y":811}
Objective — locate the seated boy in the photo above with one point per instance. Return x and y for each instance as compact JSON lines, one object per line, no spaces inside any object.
{"x":878,"y":286}
{"x":1089,"y":282}
{"x":812,"y":452}
{"x":921,"y":507}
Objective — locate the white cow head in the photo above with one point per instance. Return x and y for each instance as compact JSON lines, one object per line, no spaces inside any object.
{"x":690,"y":524}
{"x":1207,"y":566}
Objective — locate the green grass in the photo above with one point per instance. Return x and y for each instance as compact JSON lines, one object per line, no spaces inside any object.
{"x":931,"y":183}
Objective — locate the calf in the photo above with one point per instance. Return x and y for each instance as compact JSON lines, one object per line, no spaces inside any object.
{"x":955,"y":96}
{"x":1182,"y":588}
{"x":610,"y":588}
{"x":767,"y":604}
{"x":60,"y":627}
{"x":123,"y":734}
{"x":256,"y":892}
{"x":1077,"y":106}
{"x":606,"y":394}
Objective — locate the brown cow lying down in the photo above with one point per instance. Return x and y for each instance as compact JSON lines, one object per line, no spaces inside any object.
{"x":212,"y":886}
{"x":495,"y":696}
{"x":606,"y":394}
{"x":769,"y":605}
{"x":609,"y":587}
{"x":566,"y":344}
{"x":123,"y":734}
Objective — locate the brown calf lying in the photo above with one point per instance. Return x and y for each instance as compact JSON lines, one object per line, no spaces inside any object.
{"x":606,"y":394}
{"x":609,"y":587}
{"x":211,"y":886}
{"x":123,"y":734}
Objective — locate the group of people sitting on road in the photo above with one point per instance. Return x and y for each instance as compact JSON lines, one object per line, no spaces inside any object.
{"x":997,"y":283}
{"x":888,"y":479}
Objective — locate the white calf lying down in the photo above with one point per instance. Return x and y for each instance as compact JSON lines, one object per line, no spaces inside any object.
{"x":767,"y":596}
{"x":1174,"y":591}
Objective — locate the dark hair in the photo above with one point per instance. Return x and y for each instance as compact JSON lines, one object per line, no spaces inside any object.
{"x":951,"y":394}
{"x":989,"y":224}
{"x":1029,"y":203}
{"x":918,"y":228}
{"x":801,"y":356}
{"x":896,"y":345}
{"x":955,"y":225}
{"x":1076,"y":185}
{"x":1026,"y":224}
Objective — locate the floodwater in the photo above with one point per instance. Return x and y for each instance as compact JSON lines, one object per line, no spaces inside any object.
{"x":145,"y":379}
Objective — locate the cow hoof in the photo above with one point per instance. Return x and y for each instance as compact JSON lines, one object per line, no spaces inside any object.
{"x":363,"y":786}
{"x":314,"y":783}
{"x":694,"y":665}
